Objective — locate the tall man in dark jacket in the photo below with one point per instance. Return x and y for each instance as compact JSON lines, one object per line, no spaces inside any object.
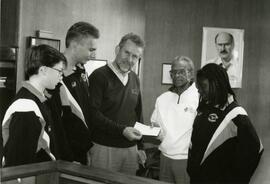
{"x":70,"y":101}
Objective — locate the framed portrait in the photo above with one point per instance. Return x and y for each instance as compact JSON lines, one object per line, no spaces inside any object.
{"x":34,"y":41}
{"x":225,"y":47}
{"x":94,"y":64}
{"x":165,"y":73}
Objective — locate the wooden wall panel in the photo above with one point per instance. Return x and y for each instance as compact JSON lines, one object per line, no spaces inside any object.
{"x":9,"y":22}
{"x":113,"y":18}
{"x":0,"y":22}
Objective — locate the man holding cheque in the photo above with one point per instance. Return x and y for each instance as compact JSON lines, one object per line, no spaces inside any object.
{"x":115,"y":100}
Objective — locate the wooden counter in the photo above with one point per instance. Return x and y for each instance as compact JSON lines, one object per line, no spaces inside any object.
{"x":60,"y":172}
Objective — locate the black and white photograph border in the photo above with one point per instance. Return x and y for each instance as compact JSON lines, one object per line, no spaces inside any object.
{"x":165,"y":74}
{"x":209,"y":51}
{"x":93,"y":64}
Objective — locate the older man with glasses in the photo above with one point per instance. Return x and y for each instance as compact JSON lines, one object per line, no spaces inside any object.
{"x":174,"y":112}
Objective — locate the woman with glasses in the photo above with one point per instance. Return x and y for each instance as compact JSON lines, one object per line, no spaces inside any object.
{"x":225,"y":147}
{"x":26,"y":126}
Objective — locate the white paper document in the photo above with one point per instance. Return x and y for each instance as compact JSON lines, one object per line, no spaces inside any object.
{"x":147,"y":130}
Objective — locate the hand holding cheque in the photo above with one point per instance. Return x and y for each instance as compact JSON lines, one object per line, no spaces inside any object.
{"x":147,"y":130}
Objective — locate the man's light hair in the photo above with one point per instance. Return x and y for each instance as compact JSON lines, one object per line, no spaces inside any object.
{"x":230,"y":35}
{"x":132,"y":37}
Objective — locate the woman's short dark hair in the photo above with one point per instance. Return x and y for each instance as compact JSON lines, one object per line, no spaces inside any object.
{"x":81,"y":30}
{"x":219,"y":85}
{"x":42,"y":55}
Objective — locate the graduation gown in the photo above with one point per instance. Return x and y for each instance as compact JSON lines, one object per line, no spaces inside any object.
{"x":69,"y":102}
{"x":25,"y":139}
{"x":224,"y":146}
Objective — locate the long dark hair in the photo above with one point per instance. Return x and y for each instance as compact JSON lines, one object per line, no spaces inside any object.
{"x":219,"y":85}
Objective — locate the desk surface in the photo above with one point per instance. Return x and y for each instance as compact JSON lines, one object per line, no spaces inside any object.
{"x":72,"y":169}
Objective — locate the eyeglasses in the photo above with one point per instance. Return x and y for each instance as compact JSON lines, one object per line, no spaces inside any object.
{"x":60,"y":72}
{"x":178,"y":72}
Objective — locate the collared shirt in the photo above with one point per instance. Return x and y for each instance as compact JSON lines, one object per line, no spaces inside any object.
{"x":234,"y":71}
{"x":121,"y":77}
{"x":33,"y":90}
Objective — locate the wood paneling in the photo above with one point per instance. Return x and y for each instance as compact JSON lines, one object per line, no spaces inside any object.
{"x":0,"y":22}
{"x":9,"y":22}
{"x":113,"y":19}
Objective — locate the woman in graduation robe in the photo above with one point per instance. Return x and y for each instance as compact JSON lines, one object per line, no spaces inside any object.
{"x":225,"y":147}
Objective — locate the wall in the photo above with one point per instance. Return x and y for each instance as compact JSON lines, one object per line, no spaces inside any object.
{"x":113,"y":18}
{"x":9,"y":16}
{"x":174,"y":27}
{"x":0,"y":22}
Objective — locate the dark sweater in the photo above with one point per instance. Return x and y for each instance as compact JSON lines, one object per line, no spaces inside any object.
{"x":113,"y":106}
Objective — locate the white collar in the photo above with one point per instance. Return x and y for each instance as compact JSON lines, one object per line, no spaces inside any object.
{"x":120,"y":76}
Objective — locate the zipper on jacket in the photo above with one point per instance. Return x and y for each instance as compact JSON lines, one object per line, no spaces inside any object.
{"x":178,"y":99}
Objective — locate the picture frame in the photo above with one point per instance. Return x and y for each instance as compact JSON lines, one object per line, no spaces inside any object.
{"x":34,"y":41}
{"x":94,"y":64}
{"x":136,"y":68}
{"x":165,"y":74}
{"x":212,"y":54}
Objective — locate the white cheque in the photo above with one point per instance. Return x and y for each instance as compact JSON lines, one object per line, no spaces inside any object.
{"x":147,"y":130}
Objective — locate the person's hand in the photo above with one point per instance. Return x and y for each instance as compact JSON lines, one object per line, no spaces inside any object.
{"x":75,"y":162}
{"x":141,"y":157}
{"x":160,"y":135}
{"x":154,"y":124}
{"x":132,"y":134}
